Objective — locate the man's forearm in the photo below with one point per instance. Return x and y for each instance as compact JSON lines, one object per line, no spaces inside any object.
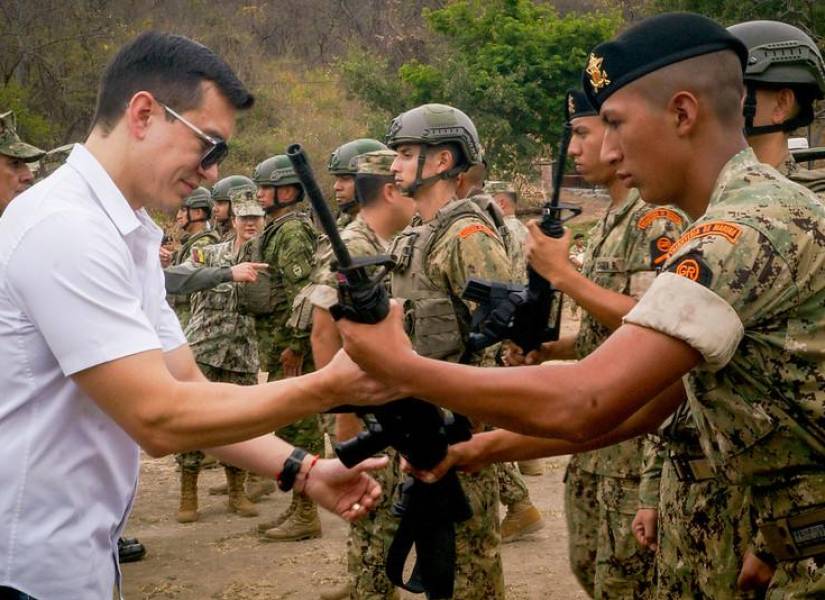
{"x":505,"y":446}
{"x":606,"y":306}
{"x":263,"y":455}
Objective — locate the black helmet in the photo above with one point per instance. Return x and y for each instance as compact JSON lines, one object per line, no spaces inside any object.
{"x":781,"y":56}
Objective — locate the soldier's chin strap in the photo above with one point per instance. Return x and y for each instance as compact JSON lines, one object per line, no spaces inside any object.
{"x":190,"y":220}
{"x":277,"y":205}
{"x":424,"y":181}
{"x":802,"y":119}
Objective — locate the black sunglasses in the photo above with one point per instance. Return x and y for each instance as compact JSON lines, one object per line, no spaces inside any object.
{"x":218,"y":148}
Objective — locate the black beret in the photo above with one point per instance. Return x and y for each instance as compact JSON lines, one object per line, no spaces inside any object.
{"x":651,"y":44}
{"x":578,"y":105}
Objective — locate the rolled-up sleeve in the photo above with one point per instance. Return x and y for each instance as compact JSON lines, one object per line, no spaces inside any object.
{"x":79,"y":289}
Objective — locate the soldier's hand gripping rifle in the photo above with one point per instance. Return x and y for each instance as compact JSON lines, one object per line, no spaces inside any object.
{"x":419,"y":431}
{"x":508,"y":311}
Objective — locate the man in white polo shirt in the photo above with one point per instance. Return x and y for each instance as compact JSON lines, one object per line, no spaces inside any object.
{"x":94,"y":359}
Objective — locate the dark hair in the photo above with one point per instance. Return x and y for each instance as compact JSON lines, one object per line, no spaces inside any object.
{"x":170,"y":67}
{"x":578,"y":236}
{"x":368,"y":188}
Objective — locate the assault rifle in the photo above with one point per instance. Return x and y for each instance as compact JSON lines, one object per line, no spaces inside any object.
{"x":419,"y":431}
{"x":516,"y":312}
{"x":808,"y":154}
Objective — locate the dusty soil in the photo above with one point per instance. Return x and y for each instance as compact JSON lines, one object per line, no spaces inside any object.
{"x":221,"y":557}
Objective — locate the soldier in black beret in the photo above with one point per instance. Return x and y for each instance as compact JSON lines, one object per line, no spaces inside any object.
{"x":738,"y":309}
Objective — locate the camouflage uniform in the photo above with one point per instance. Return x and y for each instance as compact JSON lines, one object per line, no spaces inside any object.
{"x":518,"y":240}
{"x":289,"y":253}
{"x":752,"y":273}
{"x":623,"y":255}
{"x":813,"y":179}
{"x":222,"y":339}
{"x":370,"y":537}
{"x":435,"y":260}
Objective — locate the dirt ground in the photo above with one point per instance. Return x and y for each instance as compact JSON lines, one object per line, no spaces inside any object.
{"x":221,"y":557}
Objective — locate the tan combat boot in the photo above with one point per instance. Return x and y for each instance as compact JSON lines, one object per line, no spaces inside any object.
{"x":342,"y":592}
{"x":238,"y":502}
{"x":531,"y":468}
{"x":257,"y":487}
{"x":302,"y":524}
{"x":285,"y":514}
{"x":522,"y":518}
{"x":188,"y":511}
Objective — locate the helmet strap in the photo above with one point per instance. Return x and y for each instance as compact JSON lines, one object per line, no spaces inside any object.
{"x":802,"y":119}
{"x":426,"y":181}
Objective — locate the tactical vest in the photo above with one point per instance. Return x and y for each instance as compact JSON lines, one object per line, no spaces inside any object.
{"x":259,"y":298}
{"x":436,"y":322}
{"x":182,"y":255}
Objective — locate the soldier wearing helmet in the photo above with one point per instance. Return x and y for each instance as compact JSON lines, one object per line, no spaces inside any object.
{"x":342,"y":166}
{"x":287,"y":245}
{"x":448,"y":241}
{"x":784,"y":76}
{"x":193,"y":219}
{"x":222,"y":202}
{"x":15,"y":157}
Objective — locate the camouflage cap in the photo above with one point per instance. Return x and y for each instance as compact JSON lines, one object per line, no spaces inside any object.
{"x":10,"y":143}
{"x":244,"y":203}
{"x":375,"y":163}
{"x":499,"y":187}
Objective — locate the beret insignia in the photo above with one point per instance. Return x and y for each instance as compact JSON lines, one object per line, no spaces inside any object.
{"x":598,"y":76}
{"x":571,"y":105}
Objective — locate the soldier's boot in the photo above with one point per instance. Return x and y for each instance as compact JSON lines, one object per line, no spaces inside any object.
{"x":532,"y":468}
{"x":302,"y":524}
{"x":188,"y":510}
{"x":257,"y":487}
{"x":210,"y":462}
{"x":238,"y":502}
{"x":285,"y":514}
{"x":219,"y":490}
{"x":342,"y":592}
{"x":522,"y":518}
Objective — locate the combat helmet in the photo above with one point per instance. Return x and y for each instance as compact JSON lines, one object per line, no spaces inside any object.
{"x":199,"y":198}
{"x":432,"y":125}
{"x":277,"y":171}
{"x":221,"y":191}
{"x":342,"y":160}
{"x":780,"y":56}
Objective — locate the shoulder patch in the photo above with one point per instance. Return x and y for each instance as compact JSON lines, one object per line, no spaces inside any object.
{"x":659,"y":249}
{"x":725,"y":229}
{"x":692,"y":266}
{"x":660,"y":213}
{"x":198,"y":255}
{"x":475,"y":228}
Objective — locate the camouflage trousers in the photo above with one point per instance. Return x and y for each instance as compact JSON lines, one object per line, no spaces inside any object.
{"x":604,"y":555}
{"x":307,"y":432}
{"x":581,"y":511}
{"x":511,"y":486}
{"x":479,"y":574}
{"x":191,"y":461}
{"x":795,"y":495}
{"x":704,"y":530}
{"x":370,"y":539}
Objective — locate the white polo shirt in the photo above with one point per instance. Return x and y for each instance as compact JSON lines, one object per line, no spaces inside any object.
{"x":80,"y":285}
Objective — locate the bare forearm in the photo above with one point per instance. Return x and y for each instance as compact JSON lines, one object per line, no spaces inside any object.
{"x":606,"y":306}
{"x":264,"y":455}
{"x":503,"y":446}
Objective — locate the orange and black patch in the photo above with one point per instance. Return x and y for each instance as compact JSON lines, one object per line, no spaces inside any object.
{"x":693,"y":267}
{"x":475,"y":228}
{"x":659,"y":249}
{"x":660,"y":213}
{"x":724,"y":229}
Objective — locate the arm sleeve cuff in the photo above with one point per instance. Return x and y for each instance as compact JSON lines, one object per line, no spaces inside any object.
{"x":686,"y":310}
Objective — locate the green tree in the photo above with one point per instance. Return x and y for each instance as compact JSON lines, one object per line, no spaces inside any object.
{"x":507,"y":63}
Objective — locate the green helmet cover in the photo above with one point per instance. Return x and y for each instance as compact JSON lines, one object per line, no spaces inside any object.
{"x":199,"y":198}
{"x":435,"y":124}
{"x":227,"y":185}
{"x":342,"y":160}
{"x":275,"y":171}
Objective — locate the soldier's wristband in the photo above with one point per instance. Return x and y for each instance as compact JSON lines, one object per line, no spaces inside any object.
{"x":286,"y":478}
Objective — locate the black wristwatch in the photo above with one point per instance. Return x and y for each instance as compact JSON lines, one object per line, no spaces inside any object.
{"x":292,"y":465}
